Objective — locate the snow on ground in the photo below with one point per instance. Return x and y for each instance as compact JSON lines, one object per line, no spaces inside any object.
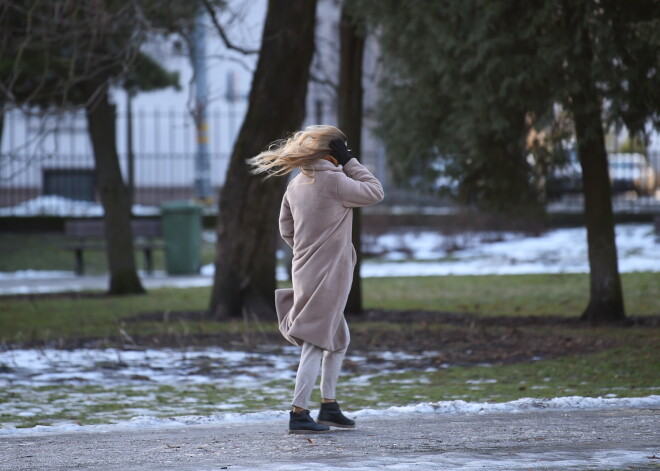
{"x":440,"y":407}
{"x":33,"y":281}
{"x":519,"y":405}
{"x":34,"y":274}
{"x":111,"y":367}
{"x":556,"y":251}
{"x":107,"y":367}
{"x":150,"y":384}
{"x":60,"y":206}
{"x":111,"y":385}
{"x":422,"y":253}
{"x":564,"y":250}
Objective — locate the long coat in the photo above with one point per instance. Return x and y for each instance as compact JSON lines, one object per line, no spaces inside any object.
{"x":316,"y":220}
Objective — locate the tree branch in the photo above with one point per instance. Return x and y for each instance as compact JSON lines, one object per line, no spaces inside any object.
{"x":221,"y":31}
{"x":323,"y":81}
{"x":243,"y":64}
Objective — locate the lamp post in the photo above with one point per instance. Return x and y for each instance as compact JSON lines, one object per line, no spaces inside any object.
{"x":202,"y":160}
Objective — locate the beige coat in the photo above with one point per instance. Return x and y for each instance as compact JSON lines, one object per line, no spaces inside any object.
{"x":316,"y":220}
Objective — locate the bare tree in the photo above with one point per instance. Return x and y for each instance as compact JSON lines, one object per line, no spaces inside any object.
{"x":248,"y":206}
{"x":57,"y":54}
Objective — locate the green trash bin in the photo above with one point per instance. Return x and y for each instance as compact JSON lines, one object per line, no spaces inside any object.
{"x":182,"y":231}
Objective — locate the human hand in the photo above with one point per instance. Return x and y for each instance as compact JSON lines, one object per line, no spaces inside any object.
{"x":340,"y":152}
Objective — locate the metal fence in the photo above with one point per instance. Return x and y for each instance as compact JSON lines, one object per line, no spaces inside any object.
{"x":634,"y":178}
{"x":51,"y":156}
{"x":48,"y":160}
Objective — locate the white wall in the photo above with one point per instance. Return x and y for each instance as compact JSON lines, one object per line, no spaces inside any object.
{"x":163,"y":128}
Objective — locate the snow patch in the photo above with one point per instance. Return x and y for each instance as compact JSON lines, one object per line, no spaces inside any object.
{"x":64,"y":207}
{"x":441,"y":407}
{"x":519,"y":405}
{"x":432,"y":254}
{"x":556,"y":251}
{"x":35,"y":274}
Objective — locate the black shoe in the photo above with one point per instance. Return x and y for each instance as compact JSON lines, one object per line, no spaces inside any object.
{"x":330,"y":414}
{"x":303,"y":423}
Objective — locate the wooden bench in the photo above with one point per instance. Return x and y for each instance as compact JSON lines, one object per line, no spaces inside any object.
{"x":89,"y":234}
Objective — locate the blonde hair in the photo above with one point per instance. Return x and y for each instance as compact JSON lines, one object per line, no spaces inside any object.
{"x":304,"y":147}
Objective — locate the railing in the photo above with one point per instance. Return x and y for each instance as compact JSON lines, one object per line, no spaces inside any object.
{"x":46,"y":164}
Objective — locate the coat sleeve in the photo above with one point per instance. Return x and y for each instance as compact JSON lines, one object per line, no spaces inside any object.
{"x":358,"y":187}
{"x":286,"y":221}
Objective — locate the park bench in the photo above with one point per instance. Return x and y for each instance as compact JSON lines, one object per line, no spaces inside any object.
{"x":89,"y":234}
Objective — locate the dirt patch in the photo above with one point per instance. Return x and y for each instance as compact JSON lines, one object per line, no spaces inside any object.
{"x":437,"y":337}
{"x":462,"y":339}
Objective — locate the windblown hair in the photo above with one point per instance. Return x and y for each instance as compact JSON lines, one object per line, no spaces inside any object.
{"x":304,"y":147}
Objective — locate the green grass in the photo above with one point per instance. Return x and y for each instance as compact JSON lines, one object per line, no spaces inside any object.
{"x":45,"y":319}
{"x":627,"y":371}
{"x":44,"y":251}
{"x":52,"y":318}
{"x":510,"y":295}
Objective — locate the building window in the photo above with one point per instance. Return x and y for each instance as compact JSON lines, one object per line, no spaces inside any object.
{"x":73,"y":183}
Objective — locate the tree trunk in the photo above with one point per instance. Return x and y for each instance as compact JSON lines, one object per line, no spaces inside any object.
{"x":101,"y":120}
{"x":350,"y":121}
{"x":249,"y":205}
{"x":130,"y":155}
{"x":606,"y":297}
{"x":2,"y":122}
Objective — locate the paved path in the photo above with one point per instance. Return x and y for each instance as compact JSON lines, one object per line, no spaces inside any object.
{"x":548,"y":440}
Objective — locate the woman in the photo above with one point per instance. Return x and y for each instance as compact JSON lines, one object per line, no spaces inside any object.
{"x":316,"y":221}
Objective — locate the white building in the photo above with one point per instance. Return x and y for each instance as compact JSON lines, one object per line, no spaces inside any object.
{"x":53,"y":155}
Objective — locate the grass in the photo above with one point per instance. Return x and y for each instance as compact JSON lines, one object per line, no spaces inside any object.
{"x":17,"y":252}
{"x":49,"y":319}
{"x":628,"y":371}
{"x":510,"y":295}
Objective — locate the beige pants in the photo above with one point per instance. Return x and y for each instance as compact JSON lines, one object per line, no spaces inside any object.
{"x":312,"y":359}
